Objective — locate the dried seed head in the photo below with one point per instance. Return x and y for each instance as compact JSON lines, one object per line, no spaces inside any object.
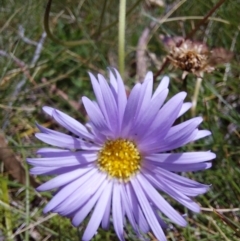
{"x":194,"y":57}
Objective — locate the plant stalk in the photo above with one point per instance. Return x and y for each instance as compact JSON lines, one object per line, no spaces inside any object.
{"x":195,"y":95}
{"x":121,"y":36}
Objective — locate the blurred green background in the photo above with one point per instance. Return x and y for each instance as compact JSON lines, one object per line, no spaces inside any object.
{"x":36,"y":71}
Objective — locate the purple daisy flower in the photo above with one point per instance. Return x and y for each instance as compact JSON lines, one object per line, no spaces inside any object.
{"x":114,"y":167}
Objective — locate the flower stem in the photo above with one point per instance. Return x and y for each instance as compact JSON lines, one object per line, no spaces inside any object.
{"x":195,"y":95}
{"x":121,"y":36}
{"x":128,"y":12}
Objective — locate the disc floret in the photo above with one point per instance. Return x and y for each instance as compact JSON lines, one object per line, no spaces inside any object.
{"x":119,"y":158}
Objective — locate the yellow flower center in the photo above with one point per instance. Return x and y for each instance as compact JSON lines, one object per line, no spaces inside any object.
{"x":119,"y":159}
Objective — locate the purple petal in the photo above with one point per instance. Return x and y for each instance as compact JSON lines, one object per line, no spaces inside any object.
{"x":117,"y":211}
{"x":64,"y":141}
{"x":130,"y":110}
{"x":168,"y":113}
{"x":178,"y":196}
{"x":184,"y":189}
{"x":96,"y":117}
{"x":69,"y":123}
{"x":106,"y":215}
{"x":81,"y":214}
{"x":99,"y":97}
{"x":122,"y":98}
{"x":148,"y":115}
{"x":157,"y":214}
{"x":185,"y":107}
{"x":183,"y":184}
{"x":181,"y":158}
{"x":172,"y":144}
{"x":186,"y":167}
{"x":201,"y":134}
{"x":98,"y":212}
{"x":145,"y":94}
{"x":148,"y":211}
{"x":63,"y":179}
{"x":160,"y":202}
{"x":162,"y":123}
{"x":188,"y":191}
{"x":185,"y":128}
{"x":74,"y":202}
{"x":177,"y":136}
{"x":162,"y":86}
{"x":113,"y":82}
{"x":53,"y":152}
{"x":110,"y":104}
{"x":138,"y":101}
{"x":72,"y":159}
{"x":49,"y":131}
{"x":53,"y":170}
{"x":128,"y":208}
{"x":136,"y":209}
{"x":181,"y":162}
{"x":148,"y":78}
{"x":68,"y":190}
{"x":99,"y":136}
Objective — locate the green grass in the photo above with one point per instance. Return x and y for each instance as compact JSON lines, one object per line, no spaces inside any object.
{"x":59,"y":78}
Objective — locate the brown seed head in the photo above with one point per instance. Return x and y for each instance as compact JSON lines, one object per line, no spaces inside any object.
{"x":194,"y":57}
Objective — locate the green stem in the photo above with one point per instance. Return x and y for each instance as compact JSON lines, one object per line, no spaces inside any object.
{"x":121,"y":36}
{"x":129,"y":11}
